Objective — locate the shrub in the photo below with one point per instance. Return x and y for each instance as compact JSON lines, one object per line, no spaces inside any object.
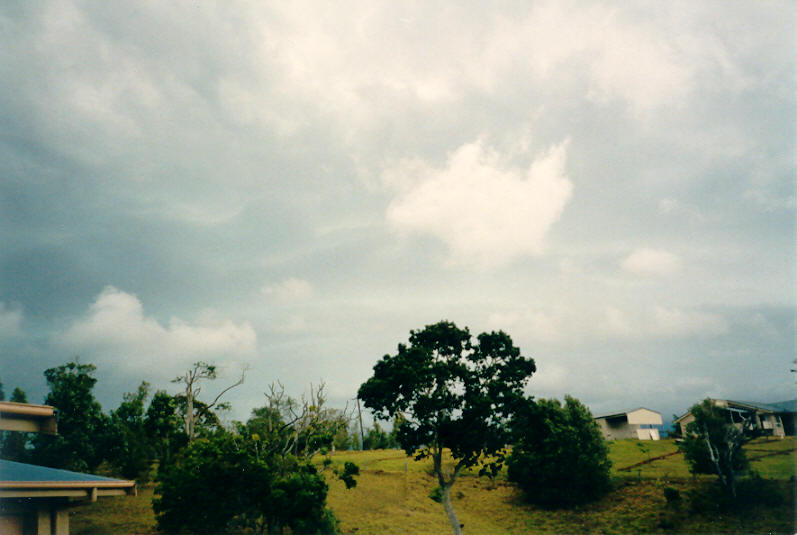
{"x":560,"y":458}
{"x":221,"y":481}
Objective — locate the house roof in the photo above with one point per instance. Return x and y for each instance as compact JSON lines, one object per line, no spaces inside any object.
{"x":20,"y":480}
{"x":623,"y":413}
{"x":27,"y":417}
{"x":780,"y":406}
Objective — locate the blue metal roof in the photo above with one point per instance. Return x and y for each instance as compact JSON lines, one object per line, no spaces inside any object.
{"x":17,"y":472}
{"x":781,"y":406}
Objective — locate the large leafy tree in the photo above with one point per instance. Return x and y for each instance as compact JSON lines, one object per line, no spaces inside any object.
{"x":713,"y":444}
{"x":453,"y":393}
{"x":83,"y":429}
{"x":164,"y":428}
{"x":559,"y":457}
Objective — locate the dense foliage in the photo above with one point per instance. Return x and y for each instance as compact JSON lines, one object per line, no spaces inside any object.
{"x":132,"y":450}
{"x":453,"y":393}
{"x":228,"y":480}
{"x":377,"y":438}
{"x":560,"y":457}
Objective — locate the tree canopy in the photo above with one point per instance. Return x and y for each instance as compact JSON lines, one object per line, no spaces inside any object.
{"x":83,"y":429}
{"x":452,"y":393}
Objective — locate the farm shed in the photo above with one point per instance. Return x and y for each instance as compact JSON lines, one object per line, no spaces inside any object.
{"x":771,"y":419}
{"x":35,"y":500}
{"x":639,"y":423}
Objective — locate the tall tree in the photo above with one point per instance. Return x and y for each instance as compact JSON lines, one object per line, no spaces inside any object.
{"x":192,"y":379}
{"x":83,"y":429}
{"x":133,"y":452}
{"x":164,"y":427}
{"x":453,"y":394}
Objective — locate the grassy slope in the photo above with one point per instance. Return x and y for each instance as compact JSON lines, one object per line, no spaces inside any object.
{"x":392,"y":498}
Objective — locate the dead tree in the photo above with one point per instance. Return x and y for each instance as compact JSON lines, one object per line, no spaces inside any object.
{"x":200,"y":371}
{"x":302,"y":427}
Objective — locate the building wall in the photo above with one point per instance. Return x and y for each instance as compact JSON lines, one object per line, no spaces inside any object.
{"x":39,"y":516}
{"x":644,"y":417}
{"x":616,"y":430}
{"x":647,"y":433}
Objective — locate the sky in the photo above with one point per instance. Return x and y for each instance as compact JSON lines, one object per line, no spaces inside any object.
{"x":292,"y":187}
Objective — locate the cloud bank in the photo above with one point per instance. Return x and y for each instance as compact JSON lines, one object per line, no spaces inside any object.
{"x":116,"y":331}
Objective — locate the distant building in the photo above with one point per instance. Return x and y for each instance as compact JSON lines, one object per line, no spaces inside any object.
{"x":35,"y":500}
{"x":771,"y":419}
{"x":639,"y":423}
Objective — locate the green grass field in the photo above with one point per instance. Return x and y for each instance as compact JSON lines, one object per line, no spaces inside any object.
{"x":392,"y":497}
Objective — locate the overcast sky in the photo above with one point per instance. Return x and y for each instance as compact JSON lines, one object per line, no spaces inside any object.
{"x":294,"y":186}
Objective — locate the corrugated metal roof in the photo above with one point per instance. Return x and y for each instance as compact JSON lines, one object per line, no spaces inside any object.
{"x":780,"y":406}
{"x":11,"y":471}
{"x":622,"y":413}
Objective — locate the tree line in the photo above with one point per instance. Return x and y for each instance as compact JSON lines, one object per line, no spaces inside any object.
{"x":460,"y":401}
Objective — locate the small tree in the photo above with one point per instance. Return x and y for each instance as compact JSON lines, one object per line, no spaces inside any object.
{"x":453,"y":394}
{"x":713,"y":444}
{"x":560,"y":457}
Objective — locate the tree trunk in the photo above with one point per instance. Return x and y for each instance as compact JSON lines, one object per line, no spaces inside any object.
{"x":456,"y":527}
{"x":189,"y":413}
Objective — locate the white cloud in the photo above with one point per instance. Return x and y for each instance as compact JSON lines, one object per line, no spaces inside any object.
{"x":486,"y":212}
{"x":116,"y":331}
{"x":10,"y":321}
{"x":351,"y":62}
{"x":289,"y":290}
{"x":652,"y":262}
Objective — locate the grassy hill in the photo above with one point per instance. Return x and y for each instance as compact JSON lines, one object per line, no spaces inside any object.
{"x":392,"y":497}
